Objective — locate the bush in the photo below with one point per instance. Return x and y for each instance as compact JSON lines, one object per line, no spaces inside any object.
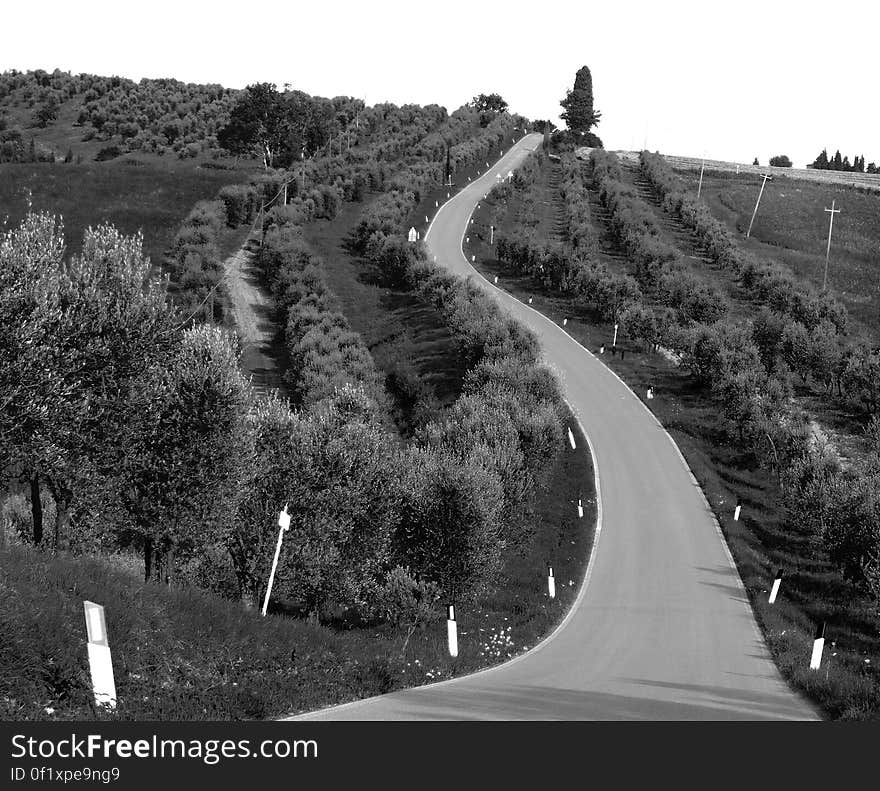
{"x":108,"y":152}
{"x":240,"y":202}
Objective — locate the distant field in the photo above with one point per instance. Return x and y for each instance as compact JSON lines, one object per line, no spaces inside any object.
{"x":133,"y":194}
{"x":792,"y":228}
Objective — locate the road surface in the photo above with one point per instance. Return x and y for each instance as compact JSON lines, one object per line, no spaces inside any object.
{"x":662,"y":628}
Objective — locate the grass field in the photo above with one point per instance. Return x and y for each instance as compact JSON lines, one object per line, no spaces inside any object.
{"x":791,"y":227}
{"x":184,"y":655}
{"x":132,"y":193}
{"x":763,"y":540}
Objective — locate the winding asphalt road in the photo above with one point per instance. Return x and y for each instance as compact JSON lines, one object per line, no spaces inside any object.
{"x":662,"y":628}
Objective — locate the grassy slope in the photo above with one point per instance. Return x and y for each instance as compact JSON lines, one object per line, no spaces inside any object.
{"x":180,"y":654}
{"x":762,"y":541}
{"x":395,"y":325}
{"x":839,"y":418}
{"x":791,"y":228}
{"x":134,"y":194}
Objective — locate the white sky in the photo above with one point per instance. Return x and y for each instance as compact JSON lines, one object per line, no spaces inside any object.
{"x":734,"y":81}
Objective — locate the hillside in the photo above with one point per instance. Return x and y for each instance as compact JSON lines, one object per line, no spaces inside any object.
{"x":145,"y":434}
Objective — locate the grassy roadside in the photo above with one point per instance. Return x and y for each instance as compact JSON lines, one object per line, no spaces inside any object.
{"x":184,"y":655}
{"x":401,"y":332}
{"x":763,"y":540}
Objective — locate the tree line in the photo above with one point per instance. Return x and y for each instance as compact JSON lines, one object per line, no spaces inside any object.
{"x":824,"y":162}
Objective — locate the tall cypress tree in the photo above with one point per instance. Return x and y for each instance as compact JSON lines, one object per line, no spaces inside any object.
{"x":579,"y":114}
{"x":821,"y":162}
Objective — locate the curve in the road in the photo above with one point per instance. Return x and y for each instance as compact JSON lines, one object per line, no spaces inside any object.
{"x":662,"y":627}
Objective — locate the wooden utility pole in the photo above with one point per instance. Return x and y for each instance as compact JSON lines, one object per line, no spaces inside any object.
{"x":757,"y":202}
{"x":832,"y":211}
{"x":700,"y":185}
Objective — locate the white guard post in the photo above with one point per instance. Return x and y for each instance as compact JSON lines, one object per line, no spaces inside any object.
{"x":551,"y":583}
{"x":571,"y":439}
{"x":580,"y":509}
{"x":736,"y":512}
{"x":775,"y":590}
{"x":284,"y":525}
{"x":100,"y":664}
{"x":451,"y":630}
{"x":496,"y":278}
{"x":818,"y":645}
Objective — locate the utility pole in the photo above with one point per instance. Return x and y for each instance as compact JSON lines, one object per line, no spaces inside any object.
{"x":832,"y":211}
{"x":760,"y":193}
{"x":700,"y":186}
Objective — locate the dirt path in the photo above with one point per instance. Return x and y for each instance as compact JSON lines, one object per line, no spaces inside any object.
{"x":252,"y":312}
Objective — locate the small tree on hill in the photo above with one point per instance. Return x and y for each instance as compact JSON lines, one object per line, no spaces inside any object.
{"x":821,"y":161}
{"x":258,"y":124}
{"x":488,"y":106}
{"x":756,"y":162}
{"x":579,"y":114}
{"x":780,"y":161}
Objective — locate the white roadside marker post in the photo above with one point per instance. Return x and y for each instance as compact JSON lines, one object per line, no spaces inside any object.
{"x":496,"y":279}
{"x":818,"y":646}
{"x":614,"y":342}
{"x":650,"y":393}
{"x":571,"y":439}
{"x":447,"y":196}
{"x":551,"y":583}
{"x":775,"y":590}
{"x":473,"y":258}
{"x":602,"y":349}
{"x":467,"y":240}
{"x":451,"y":631}
{"x":580,"y":509}
{"x":284,"y":526}
{"x":100,"y":664}
{"x":736,"y":512}
{"x":412,"y":236}
{"x":491,"y":234}
{"x":436,"y":204}
{"x":564,"y":322}
{"x":530,"y":300}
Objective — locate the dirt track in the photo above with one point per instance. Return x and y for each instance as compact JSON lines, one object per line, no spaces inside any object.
{"x":252,"y":313}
